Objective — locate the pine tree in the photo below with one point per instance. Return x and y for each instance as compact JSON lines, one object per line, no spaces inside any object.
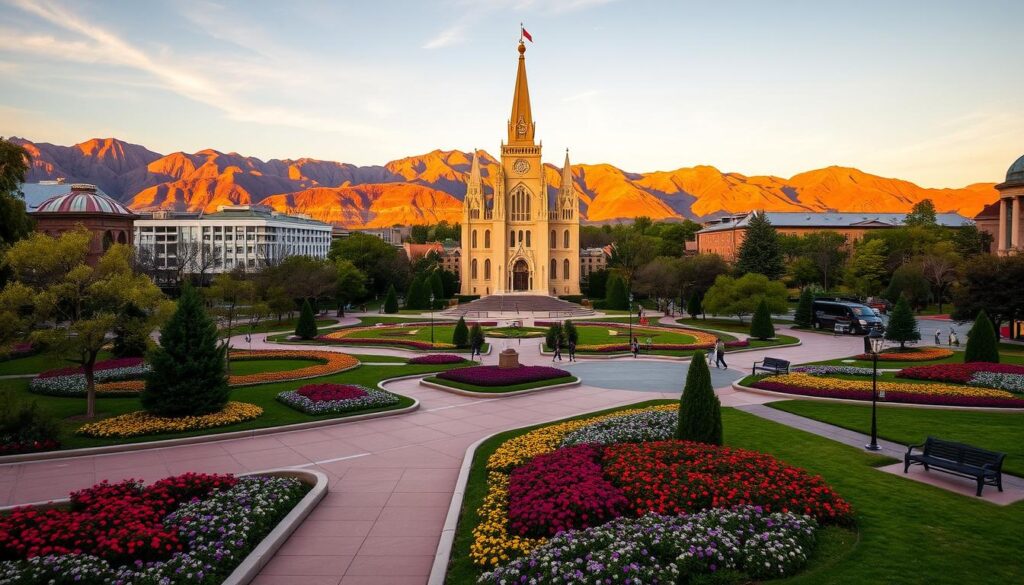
{"x":804,"y":309}
{"x":306,"y":326}
{"x":571,"y":334}
{"x":617,"y":296}
{"x":982,"y":345}
{"x":761,"y":325}
{"x":187,"y":376}
{"x":902,"y":324}
{"x":554,"y":333}
{"x":693,"y":306}
{"x":460,"y":337}
{"x":760,"y":251}
{"x":436,"y":285}
{"x":700,"y":411}
{"x":391,"y":300}
{"x":476,"y":335}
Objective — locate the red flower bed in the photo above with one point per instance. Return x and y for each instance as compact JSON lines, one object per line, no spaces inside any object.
{"x":110,"y":364}
{"x":330,"y":392}
{"x":376,"y":341}
{"x":894,"y":396}
{"x":437,"y":359}
{"x":957,"y":373}
{"x":119,"y":522}
{"x":495,"y":376}
{"x":560,"y":491}
{"x":680,"y":477}
{"x":15,"y":447}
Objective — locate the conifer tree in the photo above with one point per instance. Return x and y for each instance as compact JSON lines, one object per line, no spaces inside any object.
{"x":476,"y":335}
{"x":187,"y":376}
{"x":761,"y":325}
{"x":617,"y":296}
{"x":306,"y":326}
{"x":804,"y":309}
{"x":982,"y":345}
{"x":460,"y":337}
{"x":760,"y":251}
{"x":554,"y":333}
{"x":436,"y":285}
{"x":700,"y":411}
{"x":571,"y":334}
{"x":693,"y":306}
{"x":902,"y":324}
{"x":391,"y":300}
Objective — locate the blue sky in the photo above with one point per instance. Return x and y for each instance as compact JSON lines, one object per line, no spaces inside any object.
{"x":932,"y":92}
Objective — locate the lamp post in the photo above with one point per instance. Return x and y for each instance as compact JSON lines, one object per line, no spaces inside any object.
{"x":874,"y":341}
{"x":431,"y":320}
{"x":631,"y":317}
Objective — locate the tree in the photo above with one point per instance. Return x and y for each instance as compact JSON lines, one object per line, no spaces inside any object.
{"x":698,"y":273}
{"x":349,"y":284}
{"x":476,"y":335}
{"x":741,"y":296}
{"x":131,"y":332}
{"x":641,"y":224}
{"x":460,"y":337}
{"x":391,"y":301}
{"x":436,"y":285}
{"x":908,"y":282}
{"x":761,"y":325}
{"x":982,"y":345}
{"x":902,"y":324}
{"x":827,"y":251}
{"x":693,"y":306}
{"x":597,"y":284}
{"x":229,"y":291}
{"x":802,"y":272}
{"x":759,"y":253}
{"x":922,"y":214}
{"x":632,"y":250}
{"x":991,"y":284}
{"x":382,"y":263}
{"x":418,"y":296}
{"x":188,"y":377}
{"x":617,"y":297}
{"x":700,"y":411}
{"x":658,"y":278}
{"x":451,"y":283}
{"x":419,"y":234}
{"x":68,"y":306}
{"x":306,"y":326}
{"x":866,"y":269}
{"x":674,"y":237}
{"x":553,"y":334}
{"x":571,"y":334}
{"x":804,"y":309}
{"x":941,"y":268}
{"x":15,"y":224}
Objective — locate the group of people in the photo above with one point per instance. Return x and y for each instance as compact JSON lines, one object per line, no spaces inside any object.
{"x":954,"y":340}
{"x":570,"y":345}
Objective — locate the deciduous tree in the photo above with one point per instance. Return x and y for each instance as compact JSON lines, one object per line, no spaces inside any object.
{"x":741,"y":296}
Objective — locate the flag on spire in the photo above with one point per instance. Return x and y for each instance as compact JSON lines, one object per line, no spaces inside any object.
{"x":525,"y":33}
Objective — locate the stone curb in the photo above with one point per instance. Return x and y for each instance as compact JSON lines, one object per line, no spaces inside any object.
{"x":439,"y":570}
{"x":673,"y":358}
{"x":462,"y":392}
{"x":785,"y":396}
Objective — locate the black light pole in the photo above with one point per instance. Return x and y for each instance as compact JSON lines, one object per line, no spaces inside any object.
{"x":631,"y":317}
{"x":431,"y":320}
{"x":875,"y":341}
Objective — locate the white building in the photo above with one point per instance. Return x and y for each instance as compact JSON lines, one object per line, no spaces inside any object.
{"x":235,"y":236}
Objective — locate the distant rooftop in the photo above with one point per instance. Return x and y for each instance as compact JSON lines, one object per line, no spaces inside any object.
{"x":238,"y":212}
{"x":836,"y":219}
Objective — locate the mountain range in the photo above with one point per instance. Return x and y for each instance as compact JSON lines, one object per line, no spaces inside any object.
{"x":430,"y":187}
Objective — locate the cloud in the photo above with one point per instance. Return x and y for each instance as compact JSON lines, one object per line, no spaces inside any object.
{"x":452,"y":35}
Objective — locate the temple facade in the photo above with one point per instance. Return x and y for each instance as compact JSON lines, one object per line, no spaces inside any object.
{"x":520,"y":238}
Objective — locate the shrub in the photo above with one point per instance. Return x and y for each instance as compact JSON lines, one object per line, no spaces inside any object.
{"x":24,"y":428}
{"x":460,"y":336}
{"x":761,"y":325}
{"x":982,"y":345}
{"x":553,"y":334}
{"x":476,"y":335}
{"x":131,"y":336}
{"x":187,"y":375}
{"x":306,"y":327}
{"x":804,"y":309}
{"x":693,"y":306}
{"x":700,"y":414}
{"x":571,"y":334}
{"x":617,"y":295}
{"x":902,"y":324}
{"x":391,"y":300}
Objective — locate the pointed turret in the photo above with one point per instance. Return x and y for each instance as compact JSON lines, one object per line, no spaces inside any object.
{"x":567,"y":174}
{"x":473,"y":202}
{"x":520,"y":125}
{"x":567,"y":193}
{"x":474,"y":171}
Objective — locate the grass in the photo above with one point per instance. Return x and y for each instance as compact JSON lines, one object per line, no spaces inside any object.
{"x":996,"y":431}
{"x":502,"y":389}
{"x":382,"y":359}
{"x":260,"y":366}
{"x":273,"y":325}
{"x":516,"y":332}
{"x":907,"y":532}
{"x":717,"y":324}
{"x":274,"y":413}
{"x":42,"y":362}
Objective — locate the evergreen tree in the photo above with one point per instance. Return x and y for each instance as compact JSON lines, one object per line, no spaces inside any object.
{"x":761,"y":325}
{"x":306,"y":327}
{"x":982,"y":345}
{"x":436,"y":285}
{"x":571,"y":334}
{"x":700,"y":411}
{"x":693,"y":306}
{"x":476,"y":335}
{"x":902,"y":324}
{"x":804,"y":309}
{"x":460,"y":337}
{"x":391,"y":300}
{"x":187,"y":376}
{"x":554,"y":333}
{"x":617,"y":296}
{"x":760,"y":251}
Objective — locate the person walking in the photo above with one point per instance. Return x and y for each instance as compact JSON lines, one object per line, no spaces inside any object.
{"x":711,"y":354}
{"x":474,"y":350}
{"x":558,"y":350}
{"x":650,"y":343}
{"x":572,"y":350}
{"x":938,"y":337}
{"x":956,"y":340}
{"x":952,"y":334}
{"x":635,"y":346}
{"x":720,"y":353}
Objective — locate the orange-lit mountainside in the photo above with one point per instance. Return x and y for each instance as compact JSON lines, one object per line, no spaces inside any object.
{"x":430,"y":187}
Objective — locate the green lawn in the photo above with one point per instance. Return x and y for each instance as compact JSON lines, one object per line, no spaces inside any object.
{"x":516,"y":332}
{"x":42,"y":362}
{"x":274,"y":325}
{"x":717,"y":324}
{"x":260,"y":366}
{"x":907,"y":532}
{"x":501,"y":389}
{"x":997,"y":431}
{"x":274,"y":414}
{"x":390,"y":359}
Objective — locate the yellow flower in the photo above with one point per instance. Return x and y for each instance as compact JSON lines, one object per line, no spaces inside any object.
{"x":839,"y":384}
{"x":141,"y":422}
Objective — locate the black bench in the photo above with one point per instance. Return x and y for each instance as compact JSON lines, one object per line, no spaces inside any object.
{"x":773,"y":365}
{"x":981,"y":465}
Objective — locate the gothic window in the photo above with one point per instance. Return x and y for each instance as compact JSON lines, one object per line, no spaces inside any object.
{"x":565,"y":269}
{"x":520,"y":204}
{"x":554,"y":269}
{"x":565,"y":239}
{"x":520,"y":237}
{"x":472,"y":271}
{"x":512,"y":238}
{"x":487,"y":269}
{"x":554,"y":240}
{"x":487,"y":239}
{"x":474,"y":239}
{"x":527,"y":238}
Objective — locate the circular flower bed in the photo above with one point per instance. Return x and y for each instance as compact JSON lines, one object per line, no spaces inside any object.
{"x":495,"y":376}
{"x":352,"y":336}
{"x":1002,"y":376}
{"x":192,"y":528}
{"x":436,"y":359}
{"x":910,"y":354}
{"x":140,"y":422}
{"x":336,"y":398}
{"x":70,"y":381}
{"x":910,"y":393}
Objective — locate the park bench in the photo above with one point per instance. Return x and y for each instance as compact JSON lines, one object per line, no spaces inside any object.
{"x":773,"y":365}
{"x":981,"y":465}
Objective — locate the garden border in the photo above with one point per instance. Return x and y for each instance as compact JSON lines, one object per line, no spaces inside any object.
{"x":786,"y":396}
{"x":381,"y":346}
{"x":460,"y":391}
{"x":679,"y":358}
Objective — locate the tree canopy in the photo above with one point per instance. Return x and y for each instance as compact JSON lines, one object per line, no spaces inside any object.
{"x":760,"y":252}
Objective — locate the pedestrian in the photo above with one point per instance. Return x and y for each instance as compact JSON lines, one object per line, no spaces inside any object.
{"x":938,"y":337}
{"x":558,"y":350}
{"x":635,"y":346}
{"x":474,"y":349}
{"x":650,"y":344}
{"x":711,"y":354}
{"x":956,"y":340}
{"x":572,"y":350}
{"x":720,"y":353}
{"x":952,"y":334}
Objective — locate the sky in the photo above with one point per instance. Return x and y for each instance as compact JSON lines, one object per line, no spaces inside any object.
{"x":928,"y":91}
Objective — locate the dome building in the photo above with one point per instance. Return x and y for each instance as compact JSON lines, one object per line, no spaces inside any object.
{"x":109,"y":221}
{"x":1011,"y":205}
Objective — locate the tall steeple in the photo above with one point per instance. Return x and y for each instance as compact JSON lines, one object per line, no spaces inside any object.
{"x":520,"y":125}
{"x":473,"y":202}
{"x":567,"y":193}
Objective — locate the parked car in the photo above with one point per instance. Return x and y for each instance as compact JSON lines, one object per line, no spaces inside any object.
{"x":879,"y":303}
{"x":853,"y":317}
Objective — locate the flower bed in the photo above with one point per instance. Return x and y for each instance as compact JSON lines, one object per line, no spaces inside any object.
{"x":669,"y":549}
{"x":350,"y":336}
{"x":909,"y":393}
{"x":70,"y":381}
{"x":436,"y":359}
{"x":140,"y":422}
{"x":13,"y":445}
{"x":318,"y":399}
{"x":830,"y":370}
{"x":100,"y":366}
{"x":961,"y":373}
{"x":915,"y":354}
{"x":192,"y":528}
{"x":656,"y":425}
{"x":492,"y":376}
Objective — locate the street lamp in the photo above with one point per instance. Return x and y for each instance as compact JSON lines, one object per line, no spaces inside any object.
{"x":431,"y":320}
{"x":631,"y":317}
{"x":873,"y":343}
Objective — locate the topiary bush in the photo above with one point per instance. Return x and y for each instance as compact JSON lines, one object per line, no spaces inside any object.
{"x":460,"y":337}
{"x":554,"y":333}
{"x":982,"y":345}
{"x":700,"y":411}
{"x":571,"y":334}
{"x":902,"y":324}
{"x":761,"y":325}
{"x":306,"y":326}
{"x":391,"y":301}
{"x":804,"y":309}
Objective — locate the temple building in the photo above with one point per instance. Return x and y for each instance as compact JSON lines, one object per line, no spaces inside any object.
{"x":516,"y":240}
{"x":82,"y":204}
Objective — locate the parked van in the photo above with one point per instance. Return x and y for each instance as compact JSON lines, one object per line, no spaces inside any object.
{"x":854,"y":317}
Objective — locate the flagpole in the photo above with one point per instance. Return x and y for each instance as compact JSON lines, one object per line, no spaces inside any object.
{"x":520,"y":32}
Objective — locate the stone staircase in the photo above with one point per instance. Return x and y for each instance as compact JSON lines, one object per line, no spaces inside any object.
{"x":506,"y":306}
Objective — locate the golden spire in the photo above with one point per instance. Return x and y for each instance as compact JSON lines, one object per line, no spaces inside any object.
{"x":520,"y":125}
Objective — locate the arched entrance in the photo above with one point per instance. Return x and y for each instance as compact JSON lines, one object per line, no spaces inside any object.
{"x":520,"y":276}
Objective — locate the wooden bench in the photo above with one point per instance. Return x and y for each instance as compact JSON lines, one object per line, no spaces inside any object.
{"x":981,"y":465}
{"x":773,"y":365}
